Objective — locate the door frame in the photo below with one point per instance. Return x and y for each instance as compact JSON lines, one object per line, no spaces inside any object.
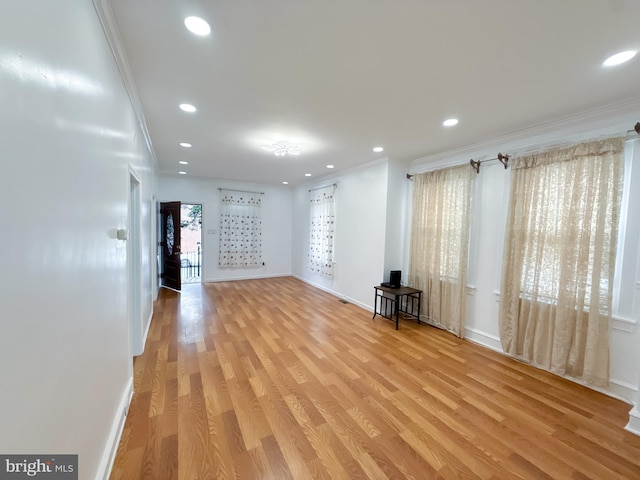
{"x":134,"y":264}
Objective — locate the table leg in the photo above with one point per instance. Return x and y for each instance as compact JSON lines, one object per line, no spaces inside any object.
{"x":375,"y":304}
{"x":397,"y":310}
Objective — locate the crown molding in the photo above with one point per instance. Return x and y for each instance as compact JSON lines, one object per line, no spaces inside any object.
{"x":112,"y":33}
{"x":611,"y":119}
{"x":336,"y":176}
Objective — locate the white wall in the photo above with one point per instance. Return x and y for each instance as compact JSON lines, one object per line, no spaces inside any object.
{"x":361,"y":213}
{"x":487,"y":242}
{"x":485,"y":256}
{"x":68,"y":135}
{"x":276,"y":223}
{"x":397,"y":202}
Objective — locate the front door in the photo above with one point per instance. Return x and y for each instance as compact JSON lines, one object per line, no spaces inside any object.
{"x":170,"y":245}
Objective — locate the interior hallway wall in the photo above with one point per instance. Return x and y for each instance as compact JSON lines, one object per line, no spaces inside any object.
{"x":69,"y":136}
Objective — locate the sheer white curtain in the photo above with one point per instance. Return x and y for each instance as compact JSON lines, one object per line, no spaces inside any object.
{"x":559,"y":259}
{"x":322,"y":219}
{"x":440,"y":243}
{"x":240,"y":229}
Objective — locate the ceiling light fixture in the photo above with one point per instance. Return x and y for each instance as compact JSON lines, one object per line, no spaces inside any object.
{"x":182,"y":173}
{"x":285,"y":183}
{"x":307,"y":174}
{"x":330,"y":166}
{"x":197,"y":26}
{"x":378,"y":149}
{"x":283,"y":148}
{"x":450,"y":122}
{"x":186,"y":145}
{"x":187,"y":107}
{"x":182,"y":162}
{"x":619,"y":58}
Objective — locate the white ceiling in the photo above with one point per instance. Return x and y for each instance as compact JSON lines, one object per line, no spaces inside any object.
{"x":340,"y":77}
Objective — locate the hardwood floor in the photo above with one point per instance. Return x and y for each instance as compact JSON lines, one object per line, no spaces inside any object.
{"x":274,"y":379}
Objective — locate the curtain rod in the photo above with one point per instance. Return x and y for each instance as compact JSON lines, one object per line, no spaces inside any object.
{"x":320,"y":188}
{"x":241,"y":191}
{"x":504,"y":159}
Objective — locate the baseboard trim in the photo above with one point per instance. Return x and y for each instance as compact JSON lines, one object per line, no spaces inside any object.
{"x":634,"y":421}
{"x":483,"y":339}
{"x":109,"y":454}
{"x":146,"y":330}
{"x":622,"y":390}
{"x":248,"y":277}
{"x":355,"y":302}
{"x":335,"y":294}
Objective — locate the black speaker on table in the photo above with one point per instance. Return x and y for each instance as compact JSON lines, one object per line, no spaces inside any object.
{"x":395,"y":278}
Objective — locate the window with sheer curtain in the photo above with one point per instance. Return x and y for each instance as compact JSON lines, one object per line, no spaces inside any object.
{"x":440,"y":243}
{"x":322,"y":219}
{"x":560,"y":252}
{"x":240,"y":229}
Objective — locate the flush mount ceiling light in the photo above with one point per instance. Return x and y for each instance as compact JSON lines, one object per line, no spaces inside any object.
{"x":450,"y":122}
{"x":378,"y":149}
{"x":283,"y":148}
{"x":187,"y":107}
{"x":182,"y":162}
{"x":182,"y":173}
{"x":285,"y":183}
{"x":197,"y":26}
{"x":307,"y":174}
{"x":619,"y":58}
{"x":186,"y":145}
{"x":330,"y":166}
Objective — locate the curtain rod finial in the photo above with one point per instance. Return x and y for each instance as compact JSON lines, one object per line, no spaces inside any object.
{"x":475,"y":165}
{"x":637,"y":128}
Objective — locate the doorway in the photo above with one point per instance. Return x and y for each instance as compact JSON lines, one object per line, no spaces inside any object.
{"x":170,"y":245}
{"x":191,"y":238}
{"x":134,"y":261}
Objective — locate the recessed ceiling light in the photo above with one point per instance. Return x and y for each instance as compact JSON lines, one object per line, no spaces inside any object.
{"x":186,"y":145}
{"x":307,"y":174}
{"x":619,"y":58}
{"x":187,"y":107}
{"x":182,"y":162}
{"x":285,"y":183}
{"x":330,"y":166}
{"x":197,"y":25}
{"x":378,"y":149}
{"x":450,"y":122}
{"x":182,"y":173}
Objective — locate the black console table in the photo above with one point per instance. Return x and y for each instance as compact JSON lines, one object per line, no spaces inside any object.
{"x":391,"y":301}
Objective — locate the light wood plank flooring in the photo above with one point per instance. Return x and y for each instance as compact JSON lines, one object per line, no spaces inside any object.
{"x":274,"y":379}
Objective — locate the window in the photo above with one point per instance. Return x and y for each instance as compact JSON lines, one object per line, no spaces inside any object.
{"x":240,"y":229}
{"x":560,"y":255}
{"x":439,"y":243}
{"x":322,"y":231}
